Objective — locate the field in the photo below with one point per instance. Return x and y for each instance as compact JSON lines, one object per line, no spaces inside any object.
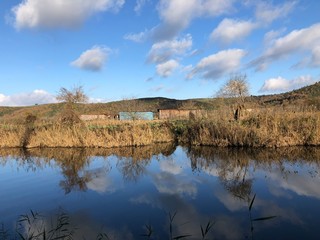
{"x":288,"y":119}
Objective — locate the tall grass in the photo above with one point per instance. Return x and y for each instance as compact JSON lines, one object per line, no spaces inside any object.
{"x":265,"y":128}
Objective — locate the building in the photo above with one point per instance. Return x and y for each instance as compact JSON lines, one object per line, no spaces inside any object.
{"x":136,"y":115}
{"x":181,"y":114}
{"x":94,"y":117}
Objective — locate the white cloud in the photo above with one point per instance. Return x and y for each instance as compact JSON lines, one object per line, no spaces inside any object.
{"x":301,"y":184}
{"x":27,"y":99}
{"x":177,"y":14}
{"x":100,"y":181}
{"x":163,"y":51}
{"x":271,"y":36}
{"x":166,"y":69}
{"x":315,"y":59}
{"x":139,"y":5}
{"x":171,"y":167}
{"x":306,"y":40}
{"x":230,"y":30}
{"x":216,"y":65}
{"x":137,"y":37}
{"x":267,"y":13}
{"x":281,"y":84}
{"x":92,"y":59}
{"x":59,"y":14}
{"x":175,"y":185}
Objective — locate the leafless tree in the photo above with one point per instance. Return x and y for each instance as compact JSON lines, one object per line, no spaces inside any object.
{"x":236,"y":87}
{"x":69,"y":116}
{"x":74,"y":95}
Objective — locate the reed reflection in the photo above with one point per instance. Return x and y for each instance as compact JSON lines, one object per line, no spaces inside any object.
{"x":74,"y":163}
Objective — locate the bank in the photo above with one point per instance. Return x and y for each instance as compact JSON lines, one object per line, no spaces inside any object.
{"x":258,"y":131}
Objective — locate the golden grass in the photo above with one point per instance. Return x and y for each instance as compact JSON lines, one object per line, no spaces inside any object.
{"x":109,"y":134}
{"x":260,"y":129}
{"x":263,"y":128}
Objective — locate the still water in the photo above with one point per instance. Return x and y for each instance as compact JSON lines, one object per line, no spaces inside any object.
{"x":173,"y":190}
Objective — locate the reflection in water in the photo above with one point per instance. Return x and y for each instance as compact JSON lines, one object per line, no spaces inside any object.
{"x":121,"y":191}
{"x":73,"y":162}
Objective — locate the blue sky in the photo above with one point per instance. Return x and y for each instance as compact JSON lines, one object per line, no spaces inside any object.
{"x":119,"y":49}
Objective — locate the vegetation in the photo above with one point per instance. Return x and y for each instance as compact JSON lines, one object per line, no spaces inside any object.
{"x":273,"y":121}
{"x":263,"y":129}
{"x":237,"y":88}
{"x":75,"y":95}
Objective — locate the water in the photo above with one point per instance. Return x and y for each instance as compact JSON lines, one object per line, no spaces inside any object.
{"x":173,"y":190}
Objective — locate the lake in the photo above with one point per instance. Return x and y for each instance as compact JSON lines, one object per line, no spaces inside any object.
{"x":161,"y":192}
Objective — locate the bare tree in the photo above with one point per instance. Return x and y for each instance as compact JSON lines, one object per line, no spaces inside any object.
{"x":75,"y":95}
{"x":236,"y":87}
{"x":68,"y":116}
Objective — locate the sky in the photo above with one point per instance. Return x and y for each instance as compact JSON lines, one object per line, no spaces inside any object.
{"x":182,"y":49}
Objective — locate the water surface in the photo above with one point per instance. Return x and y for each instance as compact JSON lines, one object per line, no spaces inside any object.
{"x":173,"y":190}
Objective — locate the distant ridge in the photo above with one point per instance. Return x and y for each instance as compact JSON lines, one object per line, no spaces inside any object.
{"x":305,"y":96}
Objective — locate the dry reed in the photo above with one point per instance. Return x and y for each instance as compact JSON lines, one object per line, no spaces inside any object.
{"x":263,"y":128}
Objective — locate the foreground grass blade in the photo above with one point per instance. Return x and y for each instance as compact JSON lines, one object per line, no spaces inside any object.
{"x":252,"y":201}
{"x":264,"y":218}
{"x":205,"y":231}
{"x":182,"y":236}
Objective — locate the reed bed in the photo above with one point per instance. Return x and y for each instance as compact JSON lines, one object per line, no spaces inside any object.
{"x":263,"y":128}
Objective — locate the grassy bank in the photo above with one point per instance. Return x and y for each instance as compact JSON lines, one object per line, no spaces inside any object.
{"x":107,"y":134}
{"x":263,"y":129}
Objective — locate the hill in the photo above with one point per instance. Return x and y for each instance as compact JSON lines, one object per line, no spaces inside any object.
{"x":306,"y":97}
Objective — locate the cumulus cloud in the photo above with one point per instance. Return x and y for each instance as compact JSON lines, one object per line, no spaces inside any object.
{"x":163,"y":51}
{"x":166,"y":69}
{"x":59,"y":14}
{"x":230,"y":30}
{"x":267,"y":13}
{"x":176,"y":15}
{"x":306,"y":40}
{"x":216,"y":65}
{"x":92,"y":59}
{"x":27,"y":99}
{"x":281,"y":84}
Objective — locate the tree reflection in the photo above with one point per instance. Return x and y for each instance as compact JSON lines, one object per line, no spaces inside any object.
{"x":133,"y":160}
{"x":132,"y":168}
{"x":231,"y":166}
{"x":73,"y":163}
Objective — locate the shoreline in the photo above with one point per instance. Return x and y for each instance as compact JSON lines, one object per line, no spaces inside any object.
{"x":257,"y":131}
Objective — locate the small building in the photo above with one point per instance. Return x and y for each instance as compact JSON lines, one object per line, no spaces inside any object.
{"x":93,"y":117}
{"x":135,"y":115}
{"x":181,"y":114}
